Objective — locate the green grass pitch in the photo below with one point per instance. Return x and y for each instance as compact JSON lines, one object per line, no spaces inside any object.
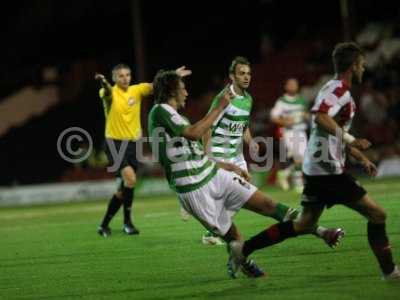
{"x":53,"y":252}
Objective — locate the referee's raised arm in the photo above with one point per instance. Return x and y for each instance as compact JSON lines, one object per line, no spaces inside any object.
{"x":104,"y":84}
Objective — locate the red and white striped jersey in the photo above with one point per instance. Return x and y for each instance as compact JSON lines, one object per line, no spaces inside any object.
{"x":325,"y":154}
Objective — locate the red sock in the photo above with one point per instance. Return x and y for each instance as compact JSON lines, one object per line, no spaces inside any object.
{"x":379,"y":244}
{"x":273,"y":235}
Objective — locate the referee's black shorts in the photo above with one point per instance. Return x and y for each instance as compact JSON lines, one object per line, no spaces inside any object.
{"x":328,"y":190}
{"x":122,"y":153}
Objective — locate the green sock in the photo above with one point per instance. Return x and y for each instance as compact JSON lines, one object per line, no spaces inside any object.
{"x":280,"y":212}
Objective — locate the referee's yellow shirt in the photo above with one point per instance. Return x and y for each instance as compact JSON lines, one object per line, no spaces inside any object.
{"x":122,"y":111}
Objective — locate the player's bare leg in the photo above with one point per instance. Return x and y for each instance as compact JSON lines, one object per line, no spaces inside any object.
{"x":274,"y":234}
{"x":377,"y":236}
{"x":308,"y":219}
{"x":233,"y":234}
{"x":263,"y":205}
{"x":307,"y":222}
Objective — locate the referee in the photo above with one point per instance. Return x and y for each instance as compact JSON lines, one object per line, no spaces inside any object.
{"x":122,"y":129}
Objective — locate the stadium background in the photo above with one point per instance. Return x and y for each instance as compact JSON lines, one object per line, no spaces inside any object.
{"x":50,"y":52}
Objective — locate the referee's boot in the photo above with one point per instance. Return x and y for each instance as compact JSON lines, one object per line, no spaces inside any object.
{"x":130,"y":229}
{"x":104,"y":231}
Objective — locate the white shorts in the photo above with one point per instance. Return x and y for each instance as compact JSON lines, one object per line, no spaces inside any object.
{"x":295,"y":143}
{"x":237,"y":161}
{"x":215,"y":203}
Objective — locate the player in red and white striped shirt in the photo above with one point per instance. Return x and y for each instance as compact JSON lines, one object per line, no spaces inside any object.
{"x":335,"y":101}
{"x":326,"y":182}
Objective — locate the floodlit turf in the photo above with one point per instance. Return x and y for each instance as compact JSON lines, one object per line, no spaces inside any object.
{"x":53,"y":252}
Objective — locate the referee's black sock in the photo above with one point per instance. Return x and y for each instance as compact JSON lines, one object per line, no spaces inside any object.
{"x":127,"y":194}
{"x":273,"y":235}
{"x":379,"y":244}
{"x":113,"y":207}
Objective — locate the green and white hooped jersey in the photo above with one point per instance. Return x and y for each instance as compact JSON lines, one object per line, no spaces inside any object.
{"x":186,"y":166}
{"x":294,"y":107}
{"x":227,"y":131}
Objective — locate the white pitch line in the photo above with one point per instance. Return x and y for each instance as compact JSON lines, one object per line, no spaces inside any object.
{"x":376,"y":189}
{"x":70,"y":211}
{"x":58,"y":211}
{"x":156,"y":215}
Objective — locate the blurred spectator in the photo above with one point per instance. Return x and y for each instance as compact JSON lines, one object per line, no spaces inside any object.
{"x":373,"y":106}
{"x":394,"y":108}
{"x":91,"y":168}
{"x":390,"y":163}
{"x":266,"y":46}
{"x":319,"y":57}
{"x":97,"y":159}
{"x":371,"y":34}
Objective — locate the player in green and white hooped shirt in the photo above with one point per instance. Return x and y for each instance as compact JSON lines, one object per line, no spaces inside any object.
{"x":225,"y":139}
{"x":290,"y":114}
{"x":176,"y":143}
{"x":213,"y":192}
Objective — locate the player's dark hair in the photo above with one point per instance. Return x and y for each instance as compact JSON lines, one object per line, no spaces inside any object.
{"x":116,"y":68}
{"x":165,"y":84}
{"x":236,"y":61}
{"x":344,"y":55}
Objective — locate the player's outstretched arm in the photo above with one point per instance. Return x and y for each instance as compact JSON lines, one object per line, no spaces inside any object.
{"x":207,"y":142}
{"x":330,"y":125}
{"x":197,"y":130}
{"x":104,"y":83}
{"x":248,"y":139}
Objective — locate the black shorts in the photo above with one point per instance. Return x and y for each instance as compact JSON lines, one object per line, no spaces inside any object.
{"x":122,"y":156}
{"x":329,"y":190}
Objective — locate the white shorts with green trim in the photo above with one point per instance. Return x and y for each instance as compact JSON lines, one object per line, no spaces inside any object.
{"x":215,"y":203}
{"x":237,"y":161}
